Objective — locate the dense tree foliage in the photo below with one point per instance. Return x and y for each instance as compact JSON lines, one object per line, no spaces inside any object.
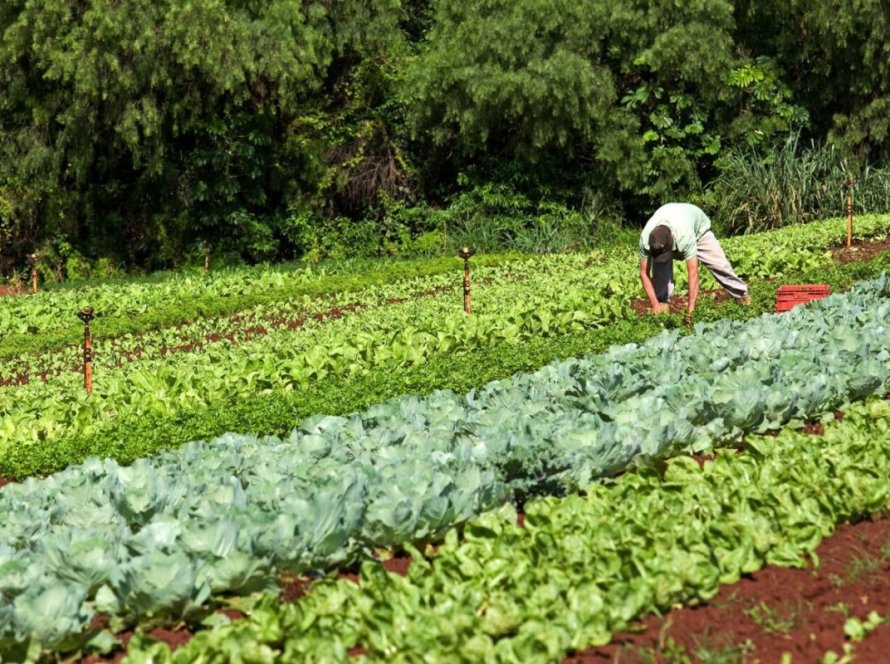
{"x":142,"y":131}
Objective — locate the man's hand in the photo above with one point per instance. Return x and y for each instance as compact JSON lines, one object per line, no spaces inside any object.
{"x":687,"y":319}
{"x":661,"y":308}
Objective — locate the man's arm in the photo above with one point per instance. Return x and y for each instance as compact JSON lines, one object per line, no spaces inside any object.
{"x":692,"y":269}
{"x":648,"y":287}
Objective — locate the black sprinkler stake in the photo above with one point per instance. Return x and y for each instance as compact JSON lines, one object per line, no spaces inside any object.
{"x":465,"y":253}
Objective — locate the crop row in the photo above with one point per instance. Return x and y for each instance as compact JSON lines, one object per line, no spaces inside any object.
{"x":46,"y":321}
{"x":582,"y":567}
{"x":110,"y":353}
{"x":285,"y":360}
{"x":753,"y":260}
{"x":159,"y":537}
{"x":275,"y":412}
{"x":292,"y":321}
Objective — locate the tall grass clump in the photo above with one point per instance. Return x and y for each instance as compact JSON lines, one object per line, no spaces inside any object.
{"x":792,"y":183}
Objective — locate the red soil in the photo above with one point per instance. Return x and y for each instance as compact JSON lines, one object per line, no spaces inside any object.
{"x":814,"y":428}
{"x":398,"y":565}
{"x":292,"y":587}
{"x":860,"y":251}
{"x":678,"y":303}
{"x":776,"y":610}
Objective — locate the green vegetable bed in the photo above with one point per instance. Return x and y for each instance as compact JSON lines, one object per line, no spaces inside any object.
{"x":583,"y":567}
{"x":156,"y":539}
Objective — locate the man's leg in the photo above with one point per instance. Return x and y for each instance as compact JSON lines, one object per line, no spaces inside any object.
{"x":711,"y":255}
{"x":663,"y":280}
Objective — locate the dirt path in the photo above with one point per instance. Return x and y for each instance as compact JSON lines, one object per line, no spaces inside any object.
{"x":678,"y":303}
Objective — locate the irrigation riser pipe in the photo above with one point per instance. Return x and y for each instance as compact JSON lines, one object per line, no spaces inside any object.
{"x":86,"y":316}
{"x":32,"y":258}
{"x":465,"y":253}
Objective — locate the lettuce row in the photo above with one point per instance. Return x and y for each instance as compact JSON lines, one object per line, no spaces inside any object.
{"x":168,"y":386}
{"x":157,"y":538}
{"x":583,"y":567}
{"x":164,"y":299}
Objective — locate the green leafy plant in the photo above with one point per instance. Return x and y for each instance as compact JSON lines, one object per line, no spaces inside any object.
{"x":624,"y":549}
{"x":412,"y":468}
{"x":856,"y":629}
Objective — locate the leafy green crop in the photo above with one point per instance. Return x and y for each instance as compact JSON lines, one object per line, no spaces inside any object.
{"x":583,"y":567}
{"x":540,"y":298}
{"x":149,"y":539}
{"x":46,"y":321}
{"x":135,"y":436}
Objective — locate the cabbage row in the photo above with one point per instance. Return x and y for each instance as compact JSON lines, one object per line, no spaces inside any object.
{"x":582,"y":568}
{"x":159,"y":537}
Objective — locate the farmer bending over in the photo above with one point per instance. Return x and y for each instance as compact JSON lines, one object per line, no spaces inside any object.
{"x":682,"y":231}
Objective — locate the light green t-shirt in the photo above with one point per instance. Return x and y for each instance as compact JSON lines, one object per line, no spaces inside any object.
{"x":687,"y":223}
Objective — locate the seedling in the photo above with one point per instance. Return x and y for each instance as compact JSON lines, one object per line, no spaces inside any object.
{"x":86,"y":315}
{"x":721,"y":649}
{"x":841,"y":607}
{"x":832,"y":657}
{"x":465,"y":253}
{"x":856,"y":629}
{"x":773,"y":621}
{"x":865,"y":565}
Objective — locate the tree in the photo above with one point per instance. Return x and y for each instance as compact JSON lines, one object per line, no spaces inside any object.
{"x":837,"y":59}
{"x":153,"y":125}
{"x":637,"y":91}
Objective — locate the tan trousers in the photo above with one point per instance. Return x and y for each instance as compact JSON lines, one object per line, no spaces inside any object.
{"x":711,"y":255}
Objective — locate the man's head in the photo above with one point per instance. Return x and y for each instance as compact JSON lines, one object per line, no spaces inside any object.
{"x":661,"y":244}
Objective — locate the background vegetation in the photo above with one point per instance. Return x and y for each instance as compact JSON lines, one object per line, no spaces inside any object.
{"x":136,"y":135}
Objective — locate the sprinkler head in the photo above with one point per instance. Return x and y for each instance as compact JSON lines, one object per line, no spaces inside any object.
{"x":86,"y":315}
{"x":465,"y":253}
{"x":33,"y":258}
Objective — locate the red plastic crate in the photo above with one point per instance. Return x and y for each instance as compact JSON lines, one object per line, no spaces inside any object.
{"x":790,"y":296}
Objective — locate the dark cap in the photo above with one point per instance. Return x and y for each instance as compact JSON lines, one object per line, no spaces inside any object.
{"x":661,"y":244}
